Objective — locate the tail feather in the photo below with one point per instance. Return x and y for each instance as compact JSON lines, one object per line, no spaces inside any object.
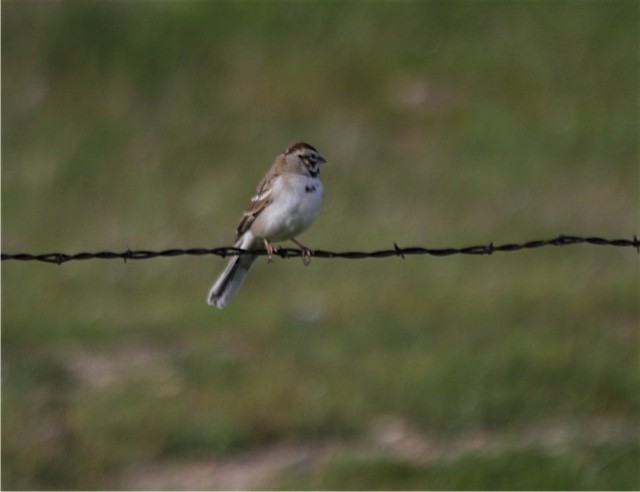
{"x":230,"y":280}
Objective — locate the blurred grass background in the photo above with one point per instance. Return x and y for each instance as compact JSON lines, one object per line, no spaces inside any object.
{"x":148,"y":125}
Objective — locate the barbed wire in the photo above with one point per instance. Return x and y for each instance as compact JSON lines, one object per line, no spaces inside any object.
{"x":397,"y":251}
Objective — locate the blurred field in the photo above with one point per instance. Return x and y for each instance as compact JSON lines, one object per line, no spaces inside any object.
{"x":147,"y":125}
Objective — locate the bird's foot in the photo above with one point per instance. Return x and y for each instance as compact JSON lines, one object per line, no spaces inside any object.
{"x":306,"y":252}
{"x":270,"y":249}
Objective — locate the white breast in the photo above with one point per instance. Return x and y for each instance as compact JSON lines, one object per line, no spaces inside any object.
{"x":296,"y":202}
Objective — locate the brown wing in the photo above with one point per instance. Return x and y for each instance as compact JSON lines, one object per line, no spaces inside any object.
{"x":259,"y":201}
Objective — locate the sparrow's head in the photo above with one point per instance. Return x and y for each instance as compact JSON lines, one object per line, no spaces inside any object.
{"x":304,"y":155}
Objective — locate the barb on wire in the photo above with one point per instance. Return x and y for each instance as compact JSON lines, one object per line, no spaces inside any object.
{"x":224,"y":251}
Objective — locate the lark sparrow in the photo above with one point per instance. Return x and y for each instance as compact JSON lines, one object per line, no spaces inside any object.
{"x":286,"y":202}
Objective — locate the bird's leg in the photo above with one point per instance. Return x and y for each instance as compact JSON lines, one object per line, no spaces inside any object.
{"x":306,"y":252}
{"x":270,"y":249}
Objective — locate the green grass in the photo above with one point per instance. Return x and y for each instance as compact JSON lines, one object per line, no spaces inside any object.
{"x":584,"y":469}
{"x":147,"y":125}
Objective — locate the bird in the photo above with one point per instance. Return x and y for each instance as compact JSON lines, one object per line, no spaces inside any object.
{"x":286,"y":202}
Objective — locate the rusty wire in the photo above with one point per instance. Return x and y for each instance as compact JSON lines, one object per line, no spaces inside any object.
{"x":397,"y":251}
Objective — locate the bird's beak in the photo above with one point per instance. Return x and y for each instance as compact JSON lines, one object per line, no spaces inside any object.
{"x":321,"y":159}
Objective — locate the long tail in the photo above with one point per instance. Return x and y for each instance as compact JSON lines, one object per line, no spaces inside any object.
{"x":228,"y":283}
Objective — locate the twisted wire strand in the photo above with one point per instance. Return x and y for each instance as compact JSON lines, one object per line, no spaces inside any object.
{"x":397,"y":251}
